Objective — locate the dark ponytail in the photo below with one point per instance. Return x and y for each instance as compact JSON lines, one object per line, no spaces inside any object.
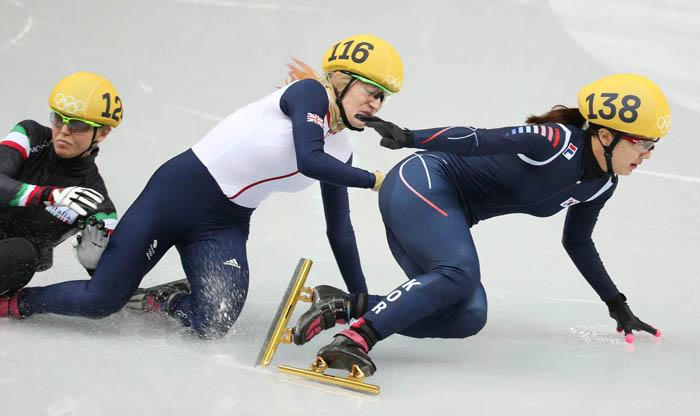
{"x":559,"y":114}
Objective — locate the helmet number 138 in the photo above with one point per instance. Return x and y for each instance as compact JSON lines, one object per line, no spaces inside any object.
{"x":607,"y":109}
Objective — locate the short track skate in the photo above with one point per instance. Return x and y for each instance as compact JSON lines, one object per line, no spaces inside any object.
{"x":316,"y":372}
{"x":278,"y":332}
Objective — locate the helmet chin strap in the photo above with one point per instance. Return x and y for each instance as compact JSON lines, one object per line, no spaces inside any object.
{"x":92,"y":143}
{"x":608,"y":150}
{"x":339,"y":98}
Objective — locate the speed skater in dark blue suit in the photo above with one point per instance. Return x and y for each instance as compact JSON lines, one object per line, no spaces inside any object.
{"x":562,"y":159}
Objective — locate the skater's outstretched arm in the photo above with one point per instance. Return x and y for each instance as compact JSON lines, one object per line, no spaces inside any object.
{"x":538,"y":142}
{"x":341,"y":235}
{"x":578,"y":242}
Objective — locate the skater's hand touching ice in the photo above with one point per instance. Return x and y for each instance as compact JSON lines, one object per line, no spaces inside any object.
{"x":626,"y":320}
{"x":393,"y":136}
{"x":91,"y":242}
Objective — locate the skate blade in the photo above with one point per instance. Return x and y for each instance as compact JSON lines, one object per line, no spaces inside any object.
{"x":316,"y":372}
{"x":278,"y":332}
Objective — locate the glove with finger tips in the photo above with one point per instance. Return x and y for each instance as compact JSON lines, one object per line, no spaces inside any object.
{"x":90,"y":243}
{"x":77,"y":198}
{"x":626,"y":320}
{"x":393,"y":136}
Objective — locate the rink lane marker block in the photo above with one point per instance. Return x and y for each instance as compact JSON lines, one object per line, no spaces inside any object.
{"x":316,"y":372}
{"x":278,"y":332}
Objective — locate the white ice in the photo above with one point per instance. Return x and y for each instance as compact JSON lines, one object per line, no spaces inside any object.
{"x":549,"y":346}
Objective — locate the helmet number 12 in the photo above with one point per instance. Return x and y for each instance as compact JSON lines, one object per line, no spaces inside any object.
{"x":117,"y":101}
{"x":359,"y":54}
{"x":628,"y":109}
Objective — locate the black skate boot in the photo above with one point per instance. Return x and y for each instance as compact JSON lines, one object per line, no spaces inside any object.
{"x":350,"y":347}
{"x":157,"y":298}
{"x":329,"y":306}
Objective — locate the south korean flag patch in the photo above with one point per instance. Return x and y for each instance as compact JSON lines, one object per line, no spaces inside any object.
{"x":314,"y":118}
{"x":570,"y":151}
{"x":569,"y":202}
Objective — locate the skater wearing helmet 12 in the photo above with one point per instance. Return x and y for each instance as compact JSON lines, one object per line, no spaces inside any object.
{"x":201,"y":201}
{"x":50,"y":187}
{"x":566,"y":158}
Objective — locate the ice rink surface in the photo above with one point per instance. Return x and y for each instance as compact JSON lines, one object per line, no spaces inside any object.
{"x":549,"y":347}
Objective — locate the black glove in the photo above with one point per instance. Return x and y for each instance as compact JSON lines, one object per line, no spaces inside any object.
{"x":393,"y":136}
{"x":626,"y":320}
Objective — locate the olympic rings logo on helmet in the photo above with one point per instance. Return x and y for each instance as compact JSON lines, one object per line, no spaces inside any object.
{"x":69,"y":103}
{"x":664,"y":123}
{"x":393,"y":82}
{"x":88,"y":96}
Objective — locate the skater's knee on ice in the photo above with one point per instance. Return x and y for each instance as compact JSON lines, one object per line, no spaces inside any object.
{"x":475,"y":322}
{"x":212,"y":329}
{"x":214,"y":324}
{"x":213,"y":310}
{"x":18,"y":263}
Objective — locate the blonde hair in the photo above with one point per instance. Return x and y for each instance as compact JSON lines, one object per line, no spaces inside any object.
{"x":299,"y":70}
{"x":333,"y":83}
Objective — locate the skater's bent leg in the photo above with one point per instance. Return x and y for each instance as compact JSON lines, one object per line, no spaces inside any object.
{"x":460,"y":320}
{"x":122,"y":267}
{"x":426,"y":219}
{"x":217,"y":269}
{"x":402,"y":258}
{"x":147,"y":230}
{"x":409,"y":267}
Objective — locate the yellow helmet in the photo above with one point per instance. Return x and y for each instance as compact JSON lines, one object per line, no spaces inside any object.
{"x":369,"y":59}
{"x":89,"y":97}
{"x":628,"y":103}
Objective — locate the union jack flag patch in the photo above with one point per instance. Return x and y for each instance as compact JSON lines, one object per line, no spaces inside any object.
{"x":314,"y":118}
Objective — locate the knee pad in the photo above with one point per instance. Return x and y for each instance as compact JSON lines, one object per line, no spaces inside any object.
{"x":18,"y":263}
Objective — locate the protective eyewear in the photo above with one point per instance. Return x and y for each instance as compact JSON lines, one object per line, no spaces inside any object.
{"x":642,"y":144}
{"x":382,"y":95}
{"x":75,"y":125}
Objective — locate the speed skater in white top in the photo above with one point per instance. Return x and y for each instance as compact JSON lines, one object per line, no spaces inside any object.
{"x":201,"y":201}
{"x":563,"y":159}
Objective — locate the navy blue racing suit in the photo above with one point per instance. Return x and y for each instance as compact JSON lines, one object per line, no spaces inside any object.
{"x":431,"y":199}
